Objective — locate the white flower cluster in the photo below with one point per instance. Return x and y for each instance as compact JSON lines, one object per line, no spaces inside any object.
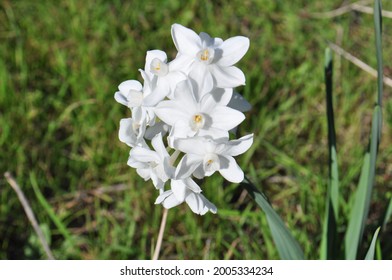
{"x":191,"y":102}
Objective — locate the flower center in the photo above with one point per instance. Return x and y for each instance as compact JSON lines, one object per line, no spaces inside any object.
{"x":136,"y":127}
{"x":211,"y":163}
{"x":197,"y":121}
{"x":158,"y":67}
{"x":206,"y":55}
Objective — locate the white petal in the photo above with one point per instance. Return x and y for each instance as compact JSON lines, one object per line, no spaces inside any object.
{"x":157,"y":95}
{"x":159,"y":127}
{"x":193,"y":202}
{"x":199,"y":172}
{"x":202,"y":80}
{"x":121,"y":98}
{"x":239,"y":146}
{"x":208,"y":206}
{"x":206,"y":40}
{"x":208,"y":103}
{"x":155,"y":179}
{"x":199,"y":204}
{"x":187,"y":165}
{"x":191,"y":185}
{"x":150,"y":115}
{"x":222,"y":96}
{"x":194,"y":145}
{"x":226,"y":118}
{"x":180,"y":129}
{"x":167,"y":199}
{"x":144,"y":155}
{"x":144,"y":173}
{"x":181,"y":63}
{"x":239,"y":103}
{"x":135,"y":98}
{"x":185,"y":39}
{"x":138,"y":164}
{"x":173,"y":78}
{"x":232,"y":172}
{"x":163,"y":196}
{"x":185,"y":95}
{"x":126,"y":86}
{"x":227,"y":77}
{"x":179,"y":189}
{"x":126,"y":133}
{"x":159,"y":147}
{"x":171,"y":112}
{"x":214,"y":133}
{"x":158,"y":183}
{"x":233,"y":49}
{"x":168,"y":169}
{"x":147,"y":85}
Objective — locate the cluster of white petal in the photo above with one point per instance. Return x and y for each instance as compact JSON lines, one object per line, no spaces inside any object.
{"x":186,"y":108}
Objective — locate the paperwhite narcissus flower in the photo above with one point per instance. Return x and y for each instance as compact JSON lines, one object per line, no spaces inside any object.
{"x":133,"y":95}
{"x":207,"y":117}
{"x":192,"y":99}
{"x":205,"y":156}
{"x":164,"y":76}
{"x":132,"y":130}
{"x":208,"y":57}
{"x":154,"y":165}
{"x":186,"y":190}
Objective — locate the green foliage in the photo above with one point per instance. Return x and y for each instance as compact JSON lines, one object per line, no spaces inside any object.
{"x":363,"y":194}
{"x":286,"y":245}
{"x":329,"y":243}
{"x":372,"y":248}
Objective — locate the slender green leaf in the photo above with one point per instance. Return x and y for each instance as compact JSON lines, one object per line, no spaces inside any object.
{"x":388,"y":214}
{"x":287,"y":246}
{"x":372,"y":248}
{"x":360,"y":209}
{"x":378,"y":31}
{"x":44,"y":203}
{"x":362,"y":197}
{"x":329,"y":240}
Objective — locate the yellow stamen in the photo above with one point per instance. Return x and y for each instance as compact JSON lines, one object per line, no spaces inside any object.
{"x":197,"y":118}
{"x":205,"y":55}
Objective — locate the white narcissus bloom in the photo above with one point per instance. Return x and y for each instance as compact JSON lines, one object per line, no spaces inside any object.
{"x":132,"y":130}
{"x":205,"y":156}
{"x":192,"y":99}
{"x":164,"y":76}
{"x":186,"y":190}
{"x":133,"y":95}
{"x":210,"y":58}
{"x":207,"y":117}
{"x":154,"y":165}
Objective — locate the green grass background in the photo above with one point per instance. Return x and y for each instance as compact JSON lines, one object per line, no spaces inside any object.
{"x":60,"y":64}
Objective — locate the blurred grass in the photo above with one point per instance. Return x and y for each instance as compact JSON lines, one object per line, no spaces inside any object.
{"x":60,"y":64}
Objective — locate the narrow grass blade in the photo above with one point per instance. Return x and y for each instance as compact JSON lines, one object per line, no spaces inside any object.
{"x":44,"y":203}
{"x":287,"y":246}
{"x":360,"y":209}
{"x":329,"y":240}
{"x":378,"y":31}
{"x":372,"y":248}
{"x":388,"y":214}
